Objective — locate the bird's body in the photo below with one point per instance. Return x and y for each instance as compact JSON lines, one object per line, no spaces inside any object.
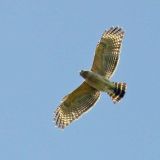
{"x":97,"y":80}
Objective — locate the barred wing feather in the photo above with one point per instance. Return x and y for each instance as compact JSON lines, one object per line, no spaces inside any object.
{"x":107,"y":52}
{"x":75,"y":104}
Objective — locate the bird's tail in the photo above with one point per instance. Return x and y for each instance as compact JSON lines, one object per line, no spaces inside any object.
{"x":118,"y":92}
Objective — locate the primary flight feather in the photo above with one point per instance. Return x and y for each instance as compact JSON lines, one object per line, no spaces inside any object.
{"x":97,"y":80}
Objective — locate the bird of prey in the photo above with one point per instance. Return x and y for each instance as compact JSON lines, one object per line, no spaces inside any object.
{"x":97,"y":80}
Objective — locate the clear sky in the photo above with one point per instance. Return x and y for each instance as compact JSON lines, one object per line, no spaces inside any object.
{"x":43,"y":46}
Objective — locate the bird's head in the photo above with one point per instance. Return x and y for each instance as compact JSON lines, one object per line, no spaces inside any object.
{"x":84,"y":74}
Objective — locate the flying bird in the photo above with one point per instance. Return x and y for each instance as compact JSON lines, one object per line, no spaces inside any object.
{"x":97,"y":80}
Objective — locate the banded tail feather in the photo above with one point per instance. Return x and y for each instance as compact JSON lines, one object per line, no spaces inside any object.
{"x":118,"y":92}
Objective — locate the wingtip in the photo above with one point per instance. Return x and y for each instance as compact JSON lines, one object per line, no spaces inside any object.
{"x":114,"y":30}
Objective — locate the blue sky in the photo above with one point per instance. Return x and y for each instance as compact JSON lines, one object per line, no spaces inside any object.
{"x":43,"y":46}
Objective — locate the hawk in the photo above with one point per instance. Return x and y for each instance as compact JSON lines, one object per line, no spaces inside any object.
{"x":97,"y":80}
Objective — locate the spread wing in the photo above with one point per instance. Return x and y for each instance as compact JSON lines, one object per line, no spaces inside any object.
{"x":107,"y":52}
{"x":75,"y":104}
